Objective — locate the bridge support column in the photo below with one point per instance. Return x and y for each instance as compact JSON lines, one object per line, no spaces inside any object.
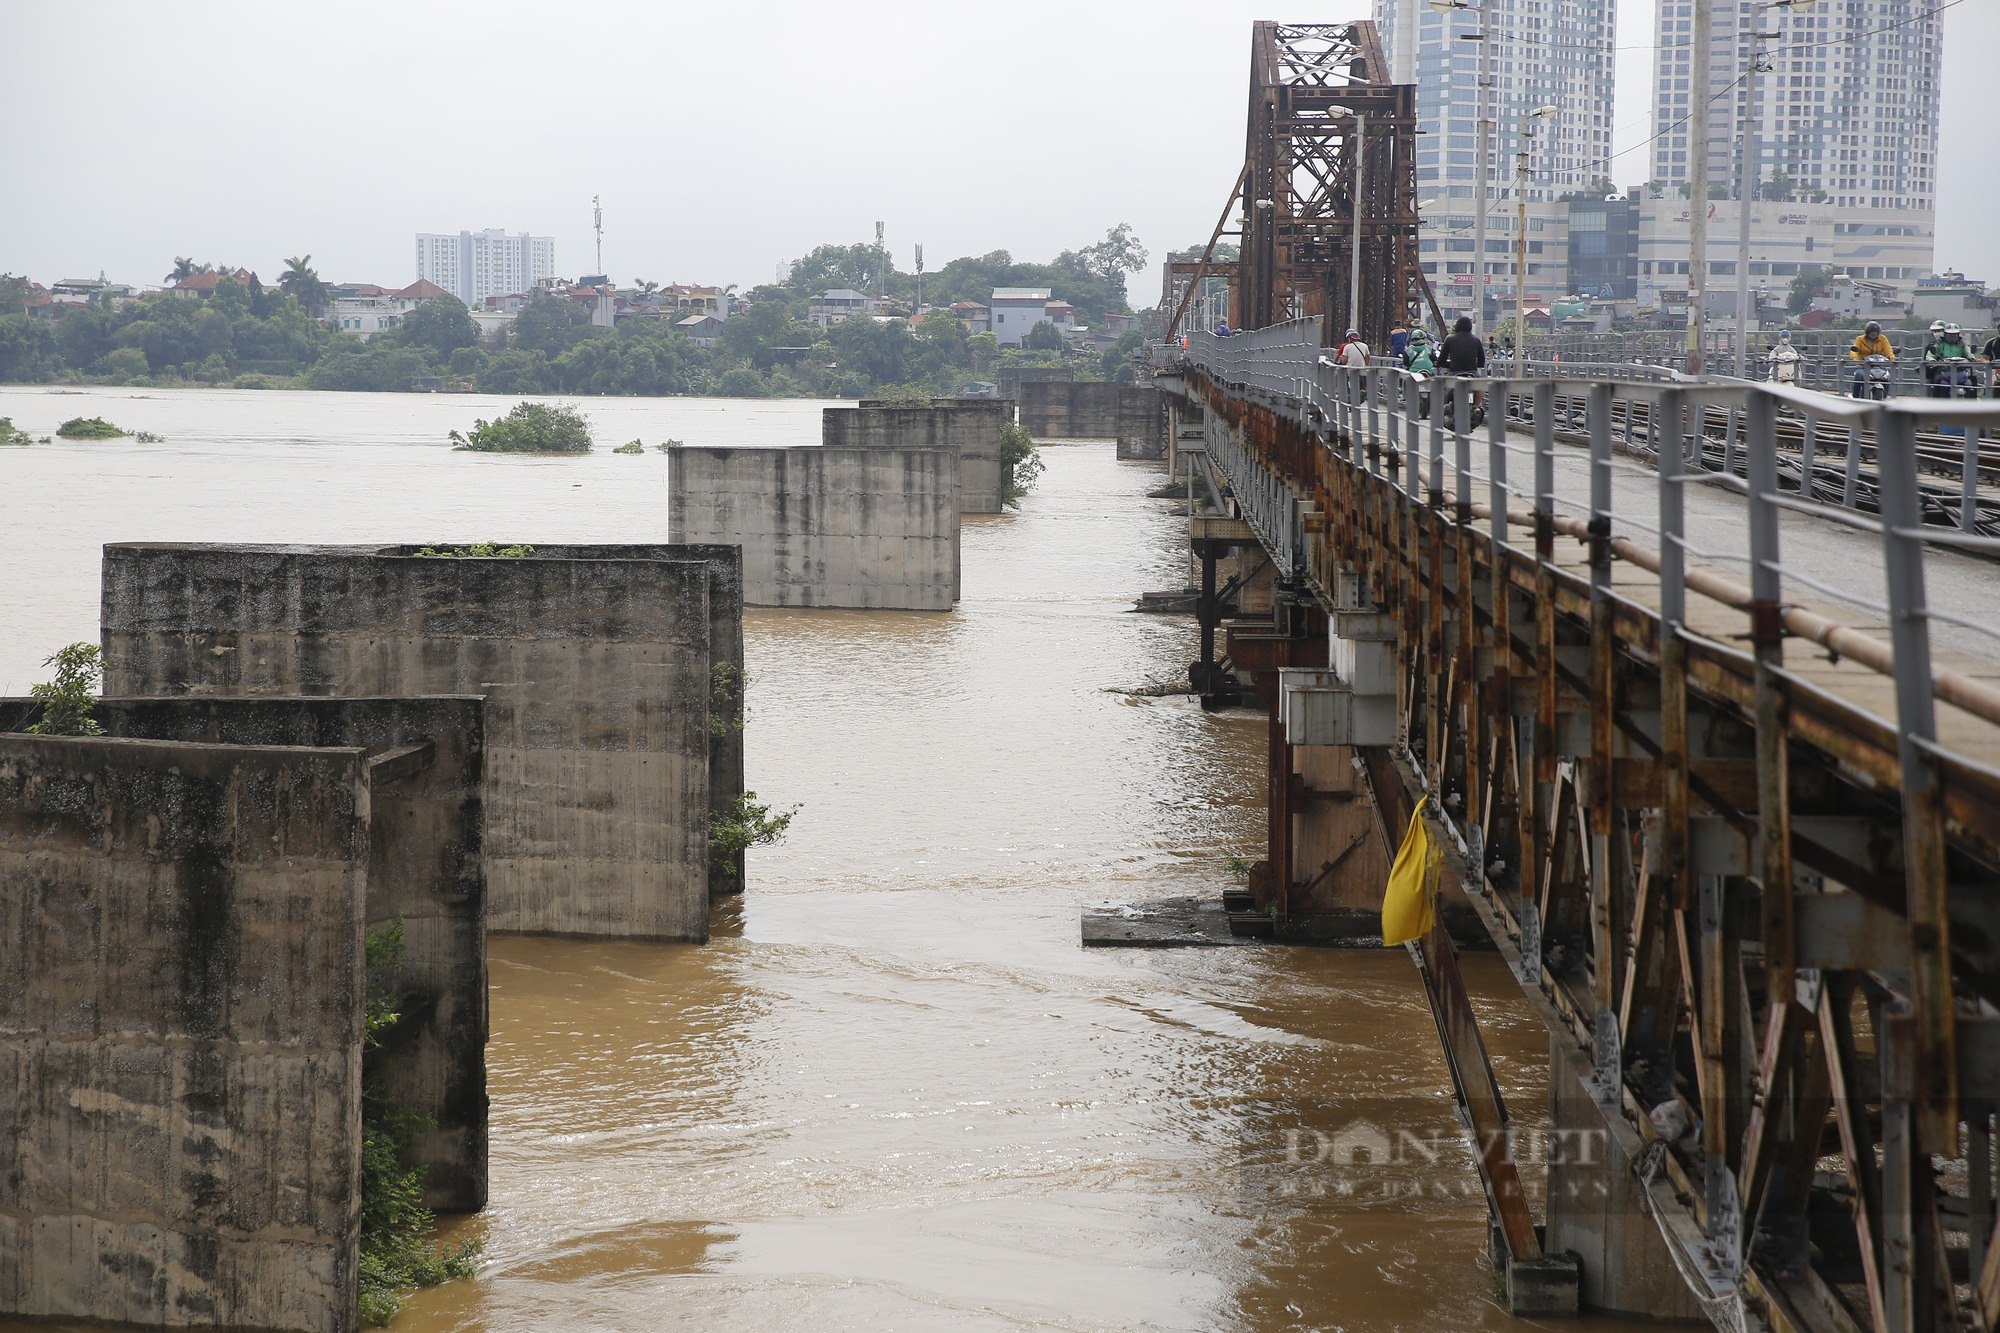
{"x":1595,"y":1212}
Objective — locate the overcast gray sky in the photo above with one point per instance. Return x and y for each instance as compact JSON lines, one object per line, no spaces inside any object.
{"x":724,"y":138}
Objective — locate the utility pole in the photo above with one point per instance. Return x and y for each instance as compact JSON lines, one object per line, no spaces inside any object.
{"x":1528,"y":119}
{"x":1481,"y":109}
{"x":1354,"y":261}
{"x":1485,"y":39}
{"x":1746,"y":194}
{"x":1521,"y":251}
{"x":1749,"y":178}
{"x":1704,"y":38}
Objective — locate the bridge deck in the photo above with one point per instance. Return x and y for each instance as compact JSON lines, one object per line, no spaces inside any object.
{"x":1837,"y":555}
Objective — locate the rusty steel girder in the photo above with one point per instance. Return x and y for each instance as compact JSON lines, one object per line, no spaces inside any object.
{"x":1322,"y":111}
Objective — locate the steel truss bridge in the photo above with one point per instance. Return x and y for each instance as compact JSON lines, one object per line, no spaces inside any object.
{"x":1739,"y":847}
{"x":1328,"y":185}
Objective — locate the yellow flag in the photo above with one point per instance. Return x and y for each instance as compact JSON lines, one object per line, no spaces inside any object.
{"x":1408,"y":910}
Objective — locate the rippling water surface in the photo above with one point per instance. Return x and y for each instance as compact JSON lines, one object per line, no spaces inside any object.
{"x":893,"y":1092}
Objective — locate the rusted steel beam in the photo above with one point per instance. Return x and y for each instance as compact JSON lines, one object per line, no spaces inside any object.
{"x":1478,"y":1093}
{"x":1857,"y":1139}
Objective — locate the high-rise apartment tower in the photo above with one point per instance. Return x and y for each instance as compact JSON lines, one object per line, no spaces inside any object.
{"x":1538,"y":53}
{"x":474,"y":265}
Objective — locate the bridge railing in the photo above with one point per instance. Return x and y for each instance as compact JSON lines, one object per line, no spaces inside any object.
{"x":1761,"y":440}
{"x":1827,"y":446}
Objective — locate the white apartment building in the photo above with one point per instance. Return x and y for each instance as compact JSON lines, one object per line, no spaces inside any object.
{"x":474,"y":265}
{"x":1014,"y":311}
{"x":1846,"y":115}
{"x":1539,"y":53}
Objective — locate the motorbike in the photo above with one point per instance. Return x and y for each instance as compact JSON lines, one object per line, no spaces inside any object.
{"x":1954,"y":378}
{"x":1478,"y":415}
{"x":1785,"y":369}
{"x":1873,"y":380}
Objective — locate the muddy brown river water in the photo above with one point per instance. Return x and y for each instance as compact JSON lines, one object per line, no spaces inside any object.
{"x":893,"y":1092}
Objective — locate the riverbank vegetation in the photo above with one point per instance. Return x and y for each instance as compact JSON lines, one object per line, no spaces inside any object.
{"x":9,"y":435}
{"x":531,"y":428}
{"x":253,"y":336}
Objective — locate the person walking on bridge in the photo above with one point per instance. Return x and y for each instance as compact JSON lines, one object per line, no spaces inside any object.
{"x":1463,"y":354}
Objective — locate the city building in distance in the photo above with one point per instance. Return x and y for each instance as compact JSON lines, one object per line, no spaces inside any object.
{"x":473,"y":265}
{"x":1539,"y":53}
{"x":1845,"y":114}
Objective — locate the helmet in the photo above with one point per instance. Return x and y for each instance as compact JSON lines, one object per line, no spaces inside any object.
{"x":1354,"y":333}
{"x":1784,"y":337}
{"x":1953,"y":331}
{"x":1872,"y":329}
{"x":1937,"y":326}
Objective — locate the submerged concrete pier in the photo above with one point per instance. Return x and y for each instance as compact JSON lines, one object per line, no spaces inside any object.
{"x":181,"y":981}
{"x":971,"y":426}
{"x":869,"y":528}
{"x":599,"y":666}
{"x":1135,"y":415}
{"x":424,"y":763}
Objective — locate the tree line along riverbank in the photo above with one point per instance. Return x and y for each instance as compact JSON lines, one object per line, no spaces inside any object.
{"x":253,"y":336}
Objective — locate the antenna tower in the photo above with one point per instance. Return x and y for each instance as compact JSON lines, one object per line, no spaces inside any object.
{"x":597,"y":221}
{"x":881,"y":264}
{"x":920,"y":280}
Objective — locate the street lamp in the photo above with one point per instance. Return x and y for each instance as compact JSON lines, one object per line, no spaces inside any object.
{"x":1484,"y":80}
{"x":1747,"y":177}
{"x":1528,"y":119}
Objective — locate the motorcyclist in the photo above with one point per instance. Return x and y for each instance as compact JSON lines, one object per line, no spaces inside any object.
{"x":1419,"y":353}
{"x":1931,"y":337}
{"x":1784,"y":359}
{"x":1352,"y":351}
{"x":1463,"y":353}
{"x":1949,"y":346}
{"x":1399,"y":338}
{"x":1870,"y":343}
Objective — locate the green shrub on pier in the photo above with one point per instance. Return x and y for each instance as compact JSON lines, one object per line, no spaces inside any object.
{"x":728,"y":691}
{"x":1020,"y":464}
{"x":67,"y":700}
{"x":630,"y":447}
{"x":530,"y":428}
{"x":476,"y":551}
{"x":747,"y":824}
{"x":89,"y":428}
{"x":397,"y":1252}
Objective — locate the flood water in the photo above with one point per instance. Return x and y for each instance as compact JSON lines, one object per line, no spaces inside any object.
{"x":893,"y":1092}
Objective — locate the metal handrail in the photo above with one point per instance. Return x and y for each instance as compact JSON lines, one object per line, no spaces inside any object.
{"x":1384,"y":411}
